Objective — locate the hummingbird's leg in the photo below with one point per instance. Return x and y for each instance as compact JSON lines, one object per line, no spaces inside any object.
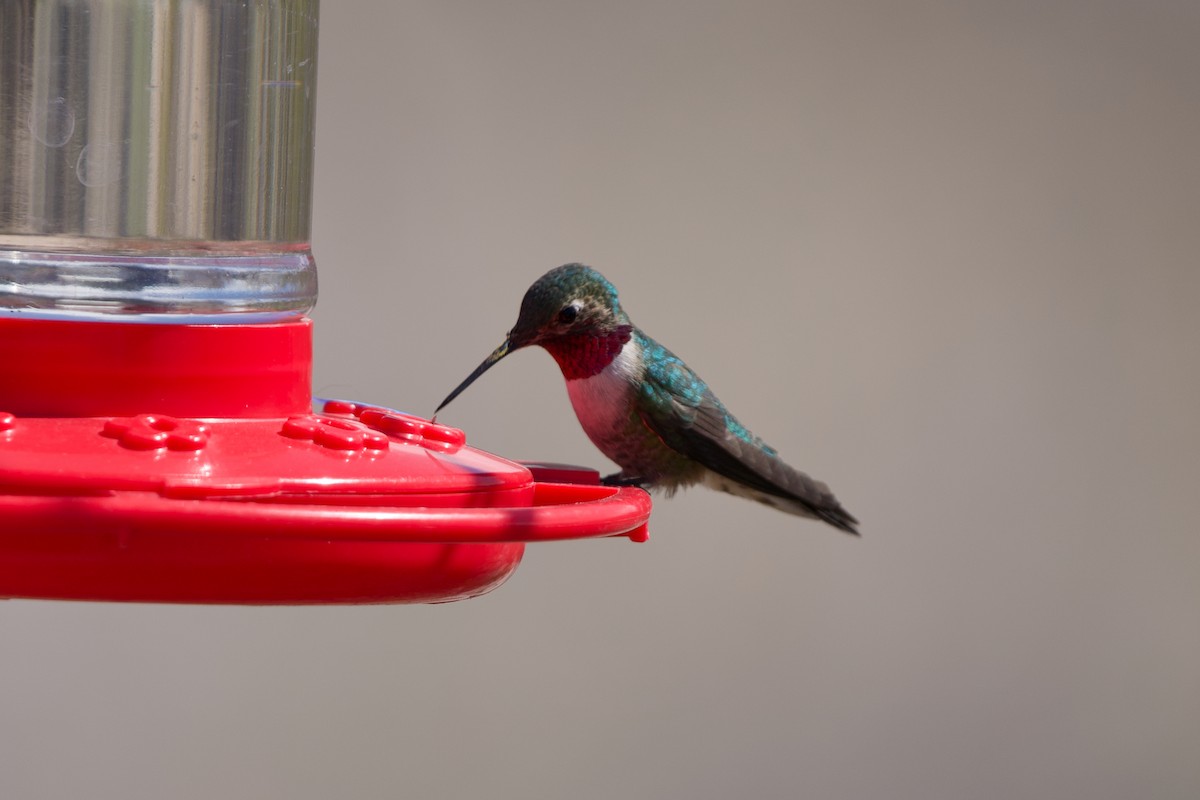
{"x":621,"y":479}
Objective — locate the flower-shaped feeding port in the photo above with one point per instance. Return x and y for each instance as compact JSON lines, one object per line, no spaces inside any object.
{"x":157,"y":431}
{"x":336,"y":434}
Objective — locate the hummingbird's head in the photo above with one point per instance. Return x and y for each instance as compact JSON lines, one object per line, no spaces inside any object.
{"x":574,"y":313}
{"x":567,"y":302}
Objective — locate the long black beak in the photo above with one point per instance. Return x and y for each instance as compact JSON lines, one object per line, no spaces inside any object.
{"x":497,"y":354}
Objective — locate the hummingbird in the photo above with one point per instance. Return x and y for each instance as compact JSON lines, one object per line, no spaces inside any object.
{"x":644,"y":408}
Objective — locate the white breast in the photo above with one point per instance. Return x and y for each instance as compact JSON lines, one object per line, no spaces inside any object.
{"x":602,"y":401}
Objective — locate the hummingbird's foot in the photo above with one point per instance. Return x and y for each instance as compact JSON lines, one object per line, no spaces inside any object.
{"x":621,"y":479}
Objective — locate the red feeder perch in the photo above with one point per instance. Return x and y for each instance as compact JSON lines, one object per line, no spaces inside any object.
{"x":158,"y":438}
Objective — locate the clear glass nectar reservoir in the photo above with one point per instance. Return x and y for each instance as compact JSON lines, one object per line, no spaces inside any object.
{"x":156,"y":158}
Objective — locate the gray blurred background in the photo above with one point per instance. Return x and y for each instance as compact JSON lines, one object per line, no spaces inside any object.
{"x":941,"y":255}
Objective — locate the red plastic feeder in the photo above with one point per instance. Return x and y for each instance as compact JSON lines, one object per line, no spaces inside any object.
{"x":200,"y":473}
{"x":158,"y":440}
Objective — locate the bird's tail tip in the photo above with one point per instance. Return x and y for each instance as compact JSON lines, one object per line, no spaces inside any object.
{"x":841,"y":519}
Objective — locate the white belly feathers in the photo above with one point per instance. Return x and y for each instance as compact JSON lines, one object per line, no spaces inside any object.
{"x":602,"y":401}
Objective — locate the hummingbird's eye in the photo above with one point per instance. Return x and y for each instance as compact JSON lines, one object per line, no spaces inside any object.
{"x":568,"y":314}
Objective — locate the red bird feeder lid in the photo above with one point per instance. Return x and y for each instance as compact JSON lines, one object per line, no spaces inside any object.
{"x":185,"y":463}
